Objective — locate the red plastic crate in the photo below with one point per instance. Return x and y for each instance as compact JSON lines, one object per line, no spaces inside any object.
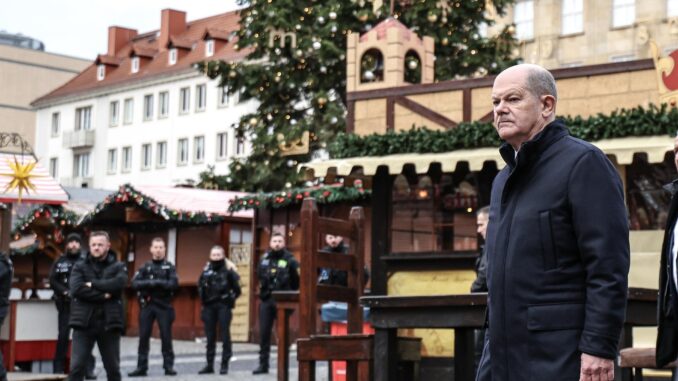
{"x":339,"y":367}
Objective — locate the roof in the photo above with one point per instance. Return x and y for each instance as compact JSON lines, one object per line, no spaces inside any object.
{"x":84,"y":200}
{"x":622,"y":149}
{"x":191,"y":38}
{"x":389,"y":23}
{"x":44,"y":188}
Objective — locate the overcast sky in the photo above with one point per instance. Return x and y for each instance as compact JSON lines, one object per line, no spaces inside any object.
{"x":80,"y":27}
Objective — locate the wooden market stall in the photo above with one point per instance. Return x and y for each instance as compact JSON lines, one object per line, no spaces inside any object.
{"x":191,"y":221}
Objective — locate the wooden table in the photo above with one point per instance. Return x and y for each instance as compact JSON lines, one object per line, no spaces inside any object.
{"x":286,"y":302}
{"x":463,"y":313}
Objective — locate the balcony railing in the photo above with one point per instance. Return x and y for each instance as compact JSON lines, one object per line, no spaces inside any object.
{"x":79,"y":139}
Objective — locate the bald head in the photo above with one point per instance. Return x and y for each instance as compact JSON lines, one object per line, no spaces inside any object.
{"x":538,"y":80}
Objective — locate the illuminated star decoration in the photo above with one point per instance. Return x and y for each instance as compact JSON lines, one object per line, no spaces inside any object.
{"x":21,"y":177}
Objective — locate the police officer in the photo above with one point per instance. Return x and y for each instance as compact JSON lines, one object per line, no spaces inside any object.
{"x":155,"y":284}
{"x":278,"y":271}
{"x":219,"y":287}
{"x":6,"y":273}
{"x":59,"y":277}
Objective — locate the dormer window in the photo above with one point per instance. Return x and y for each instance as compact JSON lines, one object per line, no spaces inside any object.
{"x":135,"y":65}
{"x":209,"y":48}
{"x":173,"y":56}
{"x":101,"y":72}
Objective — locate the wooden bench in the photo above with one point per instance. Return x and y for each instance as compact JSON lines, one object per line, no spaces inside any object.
{"x":639,"y":359}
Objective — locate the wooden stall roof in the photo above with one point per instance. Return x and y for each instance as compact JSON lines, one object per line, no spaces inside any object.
{"x":622,"y":149}
{"x":46,"y":189}
{"x":196,"y":200}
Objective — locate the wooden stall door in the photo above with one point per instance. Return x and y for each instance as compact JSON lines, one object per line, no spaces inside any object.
{"x":240,"y":254}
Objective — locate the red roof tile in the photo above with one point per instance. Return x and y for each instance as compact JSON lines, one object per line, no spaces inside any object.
{"x":146,"y":43}
{"x":387,"y":24}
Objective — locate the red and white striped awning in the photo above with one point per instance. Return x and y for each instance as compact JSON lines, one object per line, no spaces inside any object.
{"x":195,"y":200}
{"x":47,"y":190}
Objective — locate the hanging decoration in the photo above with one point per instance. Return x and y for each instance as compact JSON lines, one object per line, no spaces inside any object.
{"x":21,"y":177}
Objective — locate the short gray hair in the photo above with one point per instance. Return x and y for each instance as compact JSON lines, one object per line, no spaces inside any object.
{"x":541,"y":82}
{"x":220,"y":248}
{"x":484,"y":211}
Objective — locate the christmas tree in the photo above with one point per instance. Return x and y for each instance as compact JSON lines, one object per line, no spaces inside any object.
{"x":296,"y":70}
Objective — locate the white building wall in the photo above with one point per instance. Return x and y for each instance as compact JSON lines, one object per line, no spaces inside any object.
{"x":208,"y":123}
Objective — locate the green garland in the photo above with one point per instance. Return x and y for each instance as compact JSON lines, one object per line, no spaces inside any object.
{"x":639,"y":121}
{"x":126,"y":194}
{"x":55,"y":214}
{"x":324,"y":195}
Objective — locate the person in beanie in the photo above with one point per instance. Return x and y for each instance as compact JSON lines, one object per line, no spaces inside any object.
{"x":219,"y":287}
{"x":59,"y":279}
{"x":6,"y":273}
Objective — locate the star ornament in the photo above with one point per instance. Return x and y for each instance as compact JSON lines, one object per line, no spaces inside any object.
{"x":20,"y":178}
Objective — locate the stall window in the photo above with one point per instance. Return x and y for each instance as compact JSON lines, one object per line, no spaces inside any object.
{"x":647,"y":200}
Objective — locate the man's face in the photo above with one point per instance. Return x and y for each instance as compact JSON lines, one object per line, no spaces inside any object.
{"x":482,"y":221}
{"x":277,"y":243}
{"x":518,"y":114}
{"x":158,"y":250}
{"x":73,"y":246}
{"x":216,"y":255}
{"x":333,"y":240}
{"x":98,"y":246}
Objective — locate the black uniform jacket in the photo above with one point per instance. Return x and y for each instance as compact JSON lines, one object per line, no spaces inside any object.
{"x":218,"y":284}
{"x":107,"y":276}
{"x":6,"y":274}
{"x":277,"y":271}
{"x":558,"y":259}
{"x":60,"y":275}
{"x":667,"y":306}
{"x":155,"y":283}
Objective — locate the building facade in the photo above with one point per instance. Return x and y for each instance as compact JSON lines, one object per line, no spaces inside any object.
{"x":26,"y":72}
{"x":142,"y":113}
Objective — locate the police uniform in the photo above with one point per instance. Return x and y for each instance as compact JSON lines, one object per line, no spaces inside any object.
{"x":278,"y":271}
{"x":338,"y":277}
{"x":155,"y":283}
{"x":218,"y":287}
{"x":6,"y":273}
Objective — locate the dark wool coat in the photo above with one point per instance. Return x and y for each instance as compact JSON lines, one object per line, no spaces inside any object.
{"x":558,"y":260}
{"x":667,"y":305}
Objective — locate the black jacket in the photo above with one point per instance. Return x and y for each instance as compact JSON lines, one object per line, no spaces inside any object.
{"x":6,"y":274}
{"x":277,"y":271}
{"x":155,"y":283}
{"x":480,"y":283}
{"x":338,"y":277}
{"x":60,"y":275}
{"x":558,"y":259}
{"x":107,"y":276}
{"x":667,"y":315}
{"x":218,"y":284}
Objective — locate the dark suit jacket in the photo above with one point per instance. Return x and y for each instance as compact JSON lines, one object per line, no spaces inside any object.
{"x":667,"y":316}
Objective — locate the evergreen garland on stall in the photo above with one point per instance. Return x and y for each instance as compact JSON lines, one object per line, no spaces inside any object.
{"x":56,"y":215}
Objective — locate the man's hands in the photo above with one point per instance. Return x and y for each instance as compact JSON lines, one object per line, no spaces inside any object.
{"x":106,"y":295}
{"x":596,"y":368}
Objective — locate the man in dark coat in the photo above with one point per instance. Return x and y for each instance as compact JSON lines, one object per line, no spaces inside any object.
{"x":59,"y":281}
{"x":667,"y":335}
{"x":335,"y":244}
{"x":97,"y":283}
{"x":155,"y":283}
{"x":557,"y":244}
{"x":6,"y":274}
{"x":480,"y":283}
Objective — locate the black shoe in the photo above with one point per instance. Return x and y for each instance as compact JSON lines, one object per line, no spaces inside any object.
{"x":208,"y":369}
{"x":260,"y":370}
{"x":170,"y":372}
{"x":90,"y":376}
{"x":224,"y":369}
{"x":138,"y":372}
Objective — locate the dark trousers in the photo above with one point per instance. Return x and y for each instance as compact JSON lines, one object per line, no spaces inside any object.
{"x":213,"y":315}
{"x":267,"y":313}
{"x":479,"y":345}
{"x":59,"y":363}
{"x":3,"y":371}
{"x":109,"y":347}
{"x":165,"y":317}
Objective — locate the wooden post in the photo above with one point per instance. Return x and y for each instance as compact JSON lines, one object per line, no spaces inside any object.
{"x":309,"y":268}
{"x":357,"y":276}
{"x":381,"y":228}
{"x":5,"y":228}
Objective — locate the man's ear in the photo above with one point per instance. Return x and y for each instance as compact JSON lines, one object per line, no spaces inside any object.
{"x":548,"y":105}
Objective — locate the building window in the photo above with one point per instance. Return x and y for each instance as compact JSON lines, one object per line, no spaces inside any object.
{"x":173,"y":56}
{"x":56,"y":123}
{"x":101,"y":72}
{"x":573,"y":17}
{"x":209,"y":48}
{"x":198,"y":149}
{"x":83,"y":118}
{"x":113,"y":113}
{"x":163,"y":104}
{"x":223,"y":96}
{"x":184,"y":100}
{"x":524,"y":20}
{"x":112,"y":161}
{"x":54,"y":167}
{"x":129,"y":111}
{"x":623,"y":13}
{"x":222,"y":145}
{"x":126,"y":159}
{"x":161,"y":152}
{"x":148,"y":107}
{"x":239,"y":146}
{"x":81,"y":165}
{"x":146,"y":156}
{"x":135,"y":65}
{"x":200,"y":97}
{"x":182,"y":152}
{"x":671,"y":8}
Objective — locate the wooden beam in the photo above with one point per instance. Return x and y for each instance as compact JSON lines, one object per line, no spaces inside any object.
{"x":350,"y":117}
{"x":381,"y":229}
{"x":390,"y":114}
{"x":425,"y":112}
{"x":467,"y":106}
{"x":489,"y":117}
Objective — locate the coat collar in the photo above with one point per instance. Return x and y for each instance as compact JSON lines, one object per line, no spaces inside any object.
{"x":535,"y":146}
{"x":672,"y":187}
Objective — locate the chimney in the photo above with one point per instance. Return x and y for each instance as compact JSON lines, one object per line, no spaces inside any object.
{"x":118,"y":37}
{"x":173,"y":23}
